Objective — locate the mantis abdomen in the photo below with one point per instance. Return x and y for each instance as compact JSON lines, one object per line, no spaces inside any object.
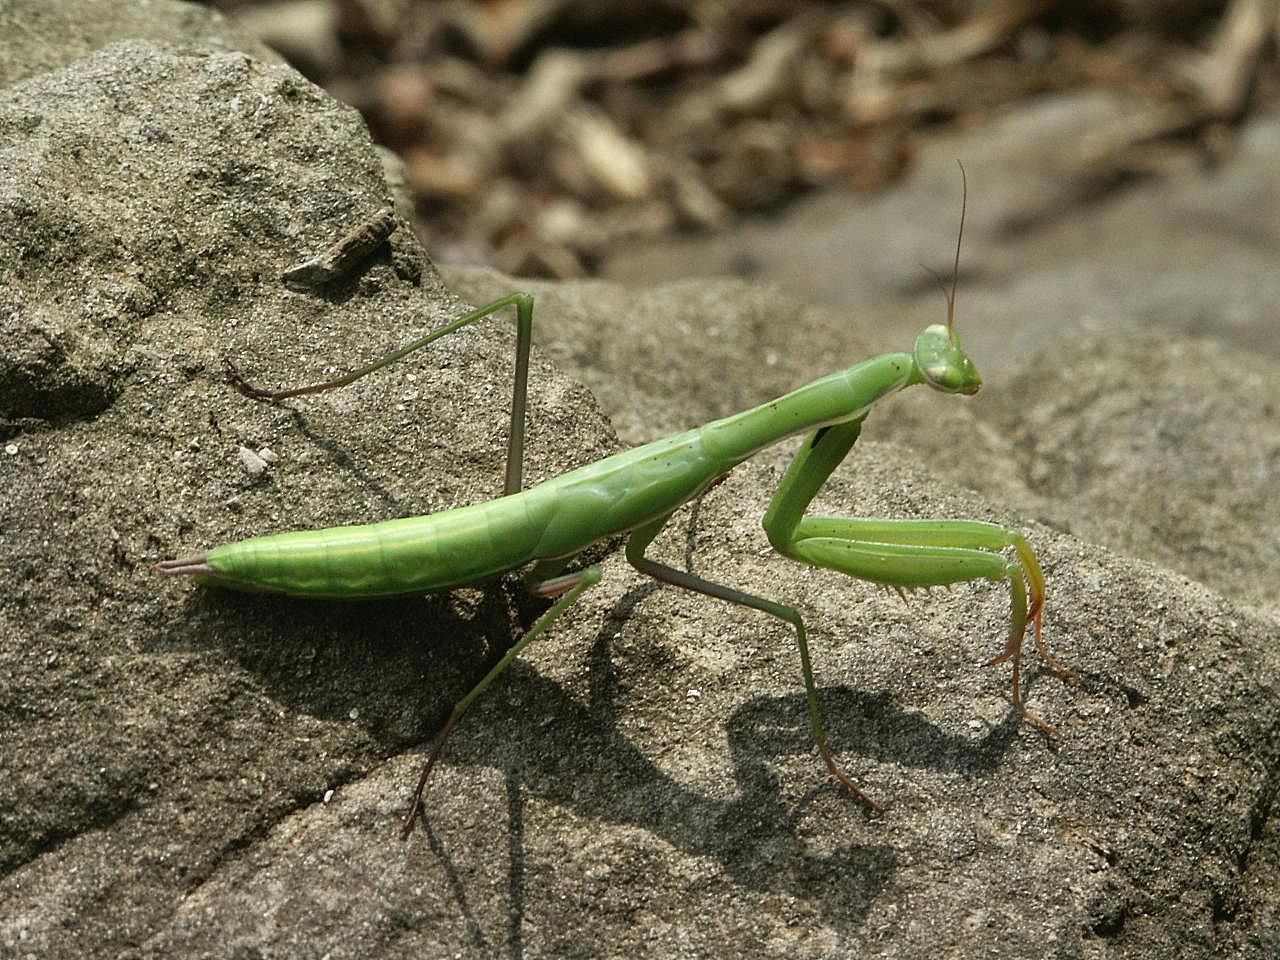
{"x":556,"y":518}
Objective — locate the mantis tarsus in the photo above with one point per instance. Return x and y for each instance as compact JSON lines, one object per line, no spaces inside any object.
{"x":635,"y":492}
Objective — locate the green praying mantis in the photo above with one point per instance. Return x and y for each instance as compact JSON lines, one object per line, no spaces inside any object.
{"x":635,"y":492}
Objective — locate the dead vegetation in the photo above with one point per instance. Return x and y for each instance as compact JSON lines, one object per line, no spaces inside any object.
{"x":537,"y":133}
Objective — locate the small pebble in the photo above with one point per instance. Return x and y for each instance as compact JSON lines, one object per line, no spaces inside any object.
{"x":254,"y":464}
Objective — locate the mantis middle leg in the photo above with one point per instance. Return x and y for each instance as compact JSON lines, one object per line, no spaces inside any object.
{"x":568,"y":588}
{"x":636,"y":546}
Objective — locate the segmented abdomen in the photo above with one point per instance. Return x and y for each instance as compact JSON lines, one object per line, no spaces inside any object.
{"x":557,"y":518}
{"x":382,"y":559}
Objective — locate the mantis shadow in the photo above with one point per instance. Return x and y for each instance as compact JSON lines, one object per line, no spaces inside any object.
{"x":396,"y":665}
{"x":756,"y":834}
{"x":341,"y":463}
{"x":401,"y":663}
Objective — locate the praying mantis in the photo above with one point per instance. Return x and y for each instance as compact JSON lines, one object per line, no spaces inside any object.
{"x":635,"y":493}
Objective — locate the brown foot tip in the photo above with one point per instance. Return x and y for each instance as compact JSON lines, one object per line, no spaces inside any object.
{"x":1048,"y":729}
{"x":237,"y":380}
{"x":848,"y":785}
{"x":873,"y":809}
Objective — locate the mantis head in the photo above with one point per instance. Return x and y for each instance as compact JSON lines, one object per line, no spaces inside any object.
{"x":942,"y":362}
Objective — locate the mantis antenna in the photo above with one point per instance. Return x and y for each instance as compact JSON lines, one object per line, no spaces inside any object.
{"x":955,"y":270}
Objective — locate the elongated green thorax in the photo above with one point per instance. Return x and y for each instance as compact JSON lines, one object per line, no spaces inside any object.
{"x":836,"y":398}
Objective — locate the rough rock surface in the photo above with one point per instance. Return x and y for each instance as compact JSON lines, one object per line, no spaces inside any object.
{"x":40,"y":36}
{"x":197,"y":774}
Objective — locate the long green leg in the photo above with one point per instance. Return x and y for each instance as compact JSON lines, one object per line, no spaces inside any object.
{"x":636,"y":546}
{"x":907,"y":553}
{"x":568,"y":588}
{"x":524,"y":336}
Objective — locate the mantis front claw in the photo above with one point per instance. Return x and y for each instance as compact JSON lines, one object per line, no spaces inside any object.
{"x":1022,"y":614}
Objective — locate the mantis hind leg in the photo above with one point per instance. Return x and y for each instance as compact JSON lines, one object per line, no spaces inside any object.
{"x":568,"y":588}
{"x":636,"y":546}
{"x":524,"y":337}
{"x":906,"y":554}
